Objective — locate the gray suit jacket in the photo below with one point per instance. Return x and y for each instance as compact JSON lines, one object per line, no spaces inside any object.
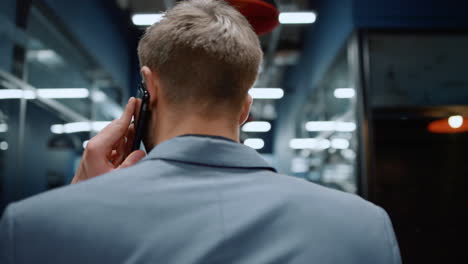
{"x":197,"y":199}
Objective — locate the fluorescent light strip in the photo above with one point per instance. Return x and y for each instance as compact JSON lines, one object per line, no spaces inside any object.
{"x":17,"y":94}
{"x":345,"y":126}
{"x":51,"y":93}
{"x":343,"y":93}
{"x":340,"y":143}
{"x":266,"y":93}
{"x":78,"y":127}
{"x":297,"y":17}
{"x":309,"y":143}
{"x":256,"y":126}
{"x":255,"y":143}
{"x":146,"y":19}
{"x":316,"y":126}
{"x":63,"y":93}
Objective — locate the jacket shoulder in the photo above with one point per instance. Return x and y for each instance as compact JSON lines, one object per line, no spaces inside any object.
{"x":349,"y":224}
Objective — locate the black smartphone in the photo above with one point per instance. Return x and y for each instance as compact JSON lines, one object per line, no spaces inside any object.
{"x":142,"y":116}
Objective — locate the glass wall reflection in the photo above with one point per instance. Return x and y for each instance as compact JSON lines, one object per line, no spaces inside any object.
{"x":326,"y":141}
{"x":48,"y":114}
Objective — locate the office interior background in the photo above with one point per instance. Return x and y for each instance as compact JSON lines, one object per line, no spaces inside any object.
{"x":364,"y":96}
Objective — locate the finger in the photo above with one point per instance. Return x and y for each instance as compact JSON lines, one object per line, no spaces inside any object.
{"x":118,"y":143}
{"x":130,"y":138}
{"x":120,"y":154}
{"x":129,"y":111}
{"x":116,"y":130}
{"x":132,"y":159}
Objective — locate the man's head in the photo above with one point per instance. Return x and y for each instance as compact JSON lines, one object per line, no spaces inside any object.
{"x":204,"y":56}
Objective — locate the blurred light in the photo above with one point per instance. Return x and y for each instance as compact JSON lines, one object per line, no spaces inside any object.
{"x":85,"y":143}
{"x":255,"y":143}
{"x":340,"y":143}
{"x":78,"y":127}
{"x":320,"y":126}
{"x":45,"y":55}
{"x":299,"y":165}
{"x":62,"y":93}
{"x":266,"y":93}
{"x":57,"y":129}
{"x":98,"y":96}
{"x":348,"y":154}
{"x":455,"y":121}
{"x":323,"y":144}
{"x":3,"y":145}
{"x":59,"y":93}
{"x":309,"y":143}
{"x":3,"y":128}
{"x":17,"y":94}
{"x":256,"y":126}
{"x":146,"y":19}
{"x":344,"y":93}
{"x":345,"y":126}
{"x":29,"y":94}
{"x":314,"y":126}
{"x":302,"y":143}
{"x":297,"y":17}
{"x":99,"y":125}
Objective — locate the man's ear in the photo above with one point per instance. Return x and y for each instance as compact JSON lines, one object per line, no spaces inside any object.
{"x":152,"y":84}
{"x":245,"y":109}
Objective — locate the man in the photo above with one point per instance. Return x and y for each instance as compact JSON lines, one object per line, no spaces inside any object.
{"x":199,"y":196}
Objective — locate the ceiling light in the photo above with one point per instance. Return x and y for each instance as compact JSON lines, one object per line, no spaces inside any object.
{"x":51,"y":93}
{"x":256,"y":126}
{"x":3,"y":128}
{"x":266,"y":93}
{"x":63,"y":93}
{"x":309,"y":143}
{"x":146,"y":19}
{"x":99,"y":125}
{"x":78,"y":127}
{"x":255,"y":143}
{"x":17,"y":94}
{"x":316,"y":126}
{"x":344,"y":93}
{"x":98,"y":96}
{"x":29,"y":94}
{"x":297,"y":17}
{"x":320,"y":126}
{"x":3,"y":145}
{"x":455,"y":121}
{"x":45,"y":56}
{"x":340,"y":143}
{"x":345,"y":126}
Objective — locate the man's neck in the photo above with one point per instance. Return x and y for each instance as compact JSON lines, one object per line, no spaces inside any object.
{"x":169,"y":128}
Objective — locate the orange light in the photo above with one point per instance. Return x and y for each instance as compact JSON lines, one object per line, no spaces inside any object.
{"x":445,"y":126}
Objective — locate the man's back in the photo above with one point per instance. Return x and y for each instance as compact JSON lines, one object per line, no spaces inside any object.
{"x":197,"y":200}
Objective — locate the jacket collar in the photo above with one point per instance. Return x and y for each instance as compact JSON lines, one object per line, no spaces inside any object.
{"x":209,"y":151}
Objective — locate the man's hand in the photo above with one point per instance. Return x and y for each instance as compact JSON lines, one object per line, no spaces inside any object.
{"x":110,"y":149}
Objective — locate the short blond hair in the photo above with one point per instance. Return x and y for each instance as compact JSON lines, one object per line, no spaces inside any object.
{"x":205,"y":52}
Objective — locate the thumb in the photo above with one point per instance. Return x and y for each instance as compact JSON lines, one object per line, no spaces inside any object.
{"x":132,"y":159}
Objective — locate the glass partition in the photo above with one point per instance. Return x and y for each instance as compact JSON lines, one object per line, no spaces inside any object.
{"x":46,"y":117}
{"x":326,"y":141}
